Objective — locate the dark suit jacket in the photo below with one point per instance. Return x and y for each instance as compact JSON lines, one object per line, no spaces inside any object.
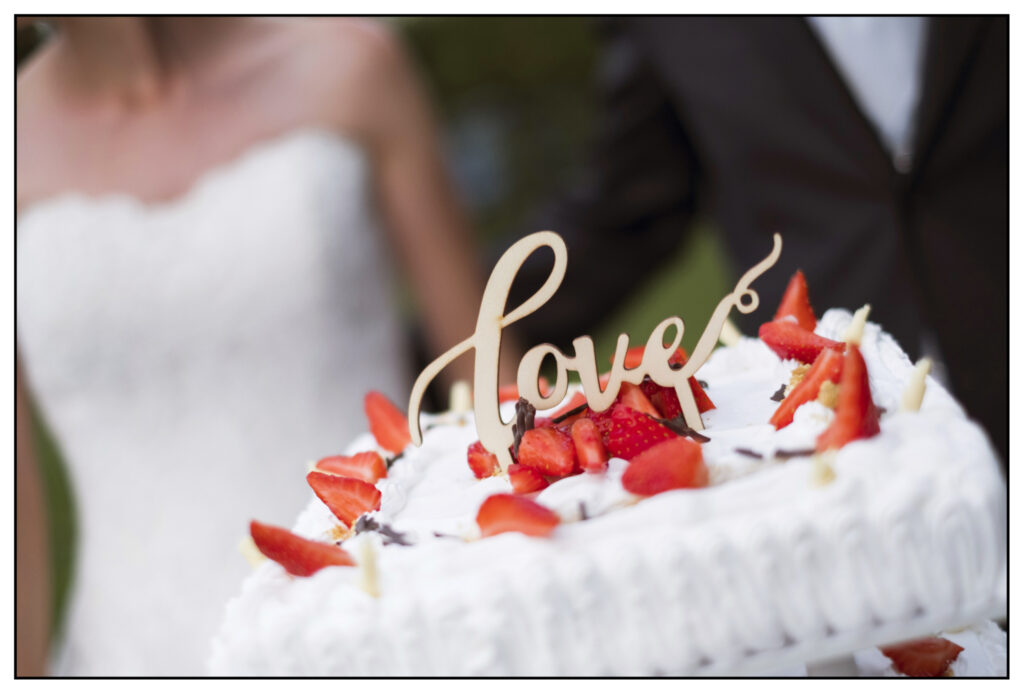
{"x":748,"y":120}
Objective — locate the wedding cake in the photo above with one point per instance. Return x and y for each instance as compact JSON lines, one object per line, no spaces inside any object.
{"x":834,"y":498}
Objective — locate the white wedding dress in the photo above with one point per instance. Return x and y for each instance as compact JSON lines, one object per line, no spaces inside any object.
{"x":190,"y":357}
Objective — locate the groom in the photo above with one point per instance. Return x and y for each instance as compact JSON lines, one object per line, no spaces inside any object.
{"x":878,"y":147}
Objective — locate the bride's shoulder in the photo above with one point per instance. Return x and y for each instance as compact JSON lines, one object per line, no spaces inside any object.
{"x":363,"y":73}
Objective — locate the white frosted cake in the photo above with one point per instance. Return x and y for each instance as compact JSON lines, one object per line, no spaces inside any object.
{"x":785,"y":556}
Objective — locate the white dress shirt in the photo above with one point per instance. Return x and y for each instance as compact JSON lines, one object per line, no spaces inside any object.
{"x":881,"y":59}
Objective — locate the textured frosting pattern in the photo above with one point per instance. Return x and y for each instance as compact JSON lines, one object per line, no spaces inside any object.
{"x":760,"y":570}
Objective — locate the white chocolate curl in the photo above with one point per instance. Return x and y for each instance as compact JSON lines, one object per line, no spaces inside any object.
{"x":730,"y":334}
{"x":461,"y":397}
{"x":913,"y":394}
{"x":822,"y":472}
{"x":368,"y":567}
{"x":855,"y":330}
{"x":251,"y":552}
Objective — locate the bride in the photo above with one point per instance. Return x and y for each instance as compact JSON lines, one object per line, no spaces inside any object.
{"x":208,"y":214}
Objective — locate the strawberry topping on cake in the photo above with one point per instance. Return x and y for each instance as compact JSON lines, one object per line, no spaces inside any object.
{"x":346,"y":497}
{"x":298,"y":556}
{"x":856,"y":415}
{"x":796,"y":302}
{"x":506,"y":513}
{"x":789,"y":340}
{"x":367,"y":466}
{"x":929,"y":657}
{"x":387,"y":423}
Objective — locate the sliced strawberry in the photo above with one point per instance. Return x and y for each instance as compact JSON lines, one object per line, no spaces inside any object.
{"x":525,"y":479}
{"x":796,"y":302}
{"x":387,"y":424}
{"x":548,"y":451}
{"x":929,"y":657}
{"x":590,"y":451}
{"x":510,"y":391}
{"x":347,"y":498}
{"x":575,"y":401}
{"x":856,"y":415}
{"x":367,"y":466}
{"x":663,"y":398}
{"x":482,"y":462}
{"x":666,"y":401}
{"x":826,"y":367}
{"x":631,"y":396}
{"x":673,"y":464}
{"x":298,"y":556}
{"x":504,"y":513}
{"x":790,"y":341}
{"x":699,"y":396}
{"x":630,"y":433}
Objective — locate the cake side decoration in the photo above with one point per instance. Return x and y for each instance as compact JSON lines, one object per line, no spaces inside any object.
{"x":656,"y":362}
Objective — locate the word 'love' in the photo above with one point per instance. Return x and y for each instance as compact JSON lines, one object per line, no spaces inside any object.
{"x":496,"y":435}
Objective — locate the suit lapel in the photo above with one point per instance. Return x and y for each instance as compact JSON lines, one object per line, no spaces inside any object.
{"x":949,"y":46}
{"x":791,"y":44}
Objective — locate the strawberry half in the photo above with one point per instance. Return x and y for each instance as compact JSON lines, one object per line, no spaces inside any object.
{"x":525,"y":479}
{"x":796,"y":302}
{"x":482,"y":462}
{"x":387,"y":424}
{"x":856,"y":414}
{"x":674,"y":464}
{"x":590,"y":451}
{"x":575,"y":401}
{"x":347,"y":498}
{"x":629,"y":433}
{"x":367,"y":466}
{"x":298,"y":556}
{"x":505,"y":513}
{"x":826,"y":367}
{"x":790,"y":341}
{"x":929,"y":657}
{"x":548,"y":451}
{"x":666,"y":401}
{"x":631,"y":396}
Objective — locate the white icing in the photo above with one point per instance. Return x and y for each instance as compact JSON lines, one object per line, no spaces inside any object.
{"x":759,"y":571}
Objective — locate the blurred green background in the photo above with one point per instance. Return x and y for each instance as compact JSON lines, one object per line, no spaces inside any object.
{"x":517,"y":109}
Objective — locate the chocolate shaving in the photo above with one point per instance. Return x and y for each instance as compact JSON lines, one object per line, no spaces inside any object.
{"x":798,"y":453}
{"x":446,"y":535}
{"x":583,"y":511}
{"x":780,"y":394}
{"x":365,"y":523}
{"x":393,"y":537}
{"x":749,"y":453}
{"x":678,"y":425}
{"x":571,"y":413}
{"x":391,"y":461}
{"x":525,"y":413}
{"x":390,"y":535}
{"x":702,"y":383}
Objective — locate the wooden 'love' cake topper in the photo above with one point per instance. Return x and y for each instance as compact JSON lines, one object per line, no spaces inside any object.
{"x":495,"y":434}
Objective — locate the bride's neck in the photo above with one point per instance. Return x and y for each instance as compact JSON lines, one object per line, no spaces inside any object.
{"x":138,"y":60}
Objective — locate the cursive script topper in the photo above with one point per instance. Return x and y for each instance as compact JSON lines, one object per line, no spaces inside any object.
{"x":495,"y":434}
